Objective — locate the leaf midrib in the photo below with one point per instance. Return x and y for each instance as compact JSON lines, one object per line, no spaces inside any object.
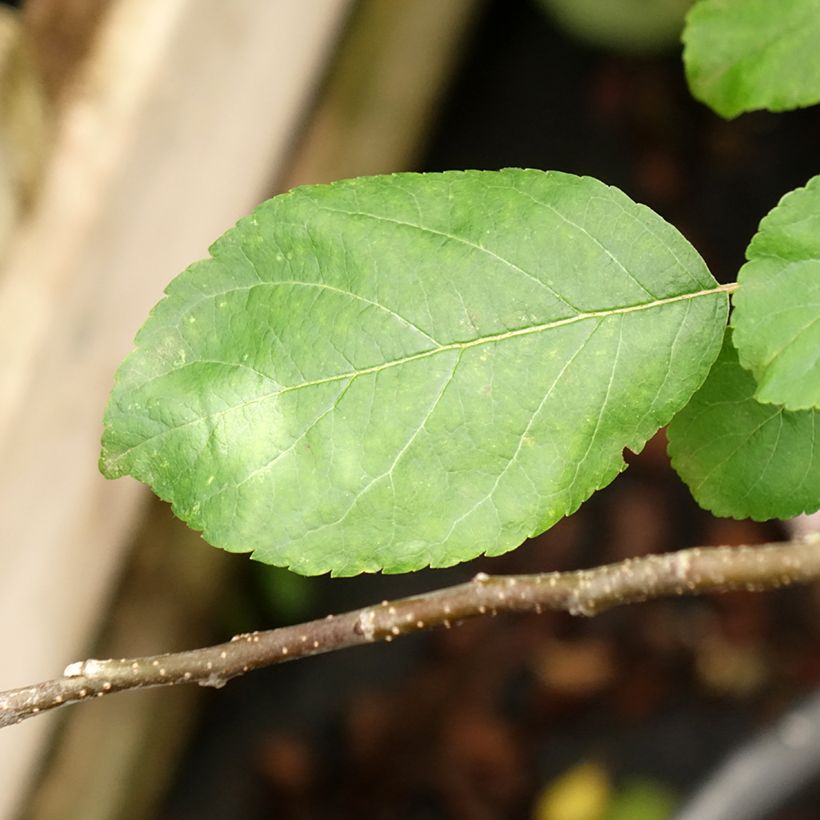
{"x":499,"y":337}
{"x":459,"y":346}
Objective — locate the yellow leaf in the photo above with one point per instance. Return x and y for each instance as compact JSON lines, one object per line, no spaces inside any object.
{"x":582,"y":793}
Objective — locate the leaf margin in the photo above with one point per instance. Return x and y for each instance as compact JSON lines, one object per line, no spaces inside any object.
{"x":226,"y":243}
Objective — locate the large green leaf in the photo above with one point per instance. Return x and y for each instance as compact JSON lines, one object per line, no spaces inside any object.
{"x":742,"y":55}
{"x":391,"y":372}
{"x":741,"y":458}
{"x":776,"y":317}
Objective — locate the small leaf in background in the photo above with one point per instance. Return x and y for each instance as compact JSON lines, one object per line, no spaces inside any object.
{"x":582,"y":793}
{"x":641,"y":799}
{"x":776,"y":317}
{"x":290,"y":598}
{"x":741,"y":458}
{"x":631,"y":26}
{"x":397,"y":371}
{"x":744,"y":55}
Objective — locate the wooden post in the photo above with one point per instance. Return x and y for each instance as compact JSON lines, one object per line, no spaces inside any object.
{"x":182,"y":115}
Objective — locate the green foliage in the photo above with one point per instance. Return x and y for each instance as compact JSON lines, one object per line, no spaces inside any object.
{"x":641,"y":799}
{"x":776,"y":317}
{"x":742,"y":458}
{"x":391,"y":372}
{"x":743,"y":55}
{"x":632,"y":26}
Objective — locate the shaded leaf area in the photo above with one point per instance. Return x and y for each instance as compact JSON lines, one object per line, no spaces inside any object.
{"x":741,"y":458}
{"x":744,"y":55}
{"x":392,"y":372}
{"x":776,"y":317}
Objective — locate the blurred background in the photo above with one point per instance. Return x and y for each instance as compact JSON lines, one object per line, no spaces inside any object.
{"x":133,"y":133}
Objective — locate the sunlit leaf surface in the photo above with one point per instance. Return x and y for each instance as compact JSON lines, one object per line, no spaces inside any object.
{"x":398,"y":371}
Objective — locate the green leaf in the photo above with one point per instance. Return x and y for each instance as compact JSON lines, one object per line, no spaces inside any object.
{"x":641,"y":799}
{"x":743,"y":55}
{"x":741,"y":458}
{"x":776,"y":317}
{"x":631,"y":26}
{"x":391,"y":372}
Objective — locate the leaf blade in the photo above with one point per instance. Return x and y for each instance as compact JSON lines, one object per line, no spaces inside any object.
{"x":447,"y":423}
{"x":776,"y":319}
{"x":744,"y":55}
{"x":741,"y":458}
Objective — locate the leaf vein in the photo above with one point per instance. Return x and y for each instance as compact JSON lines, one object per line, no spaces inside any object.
{"x":481,"y":340}
{"x":590,"y":236}
{"x":462,"y":241}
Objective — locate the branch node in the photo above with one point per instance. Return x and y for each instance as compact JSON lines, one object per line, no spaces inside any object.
{"x":74,"y":670}
{"x":366,"y":625}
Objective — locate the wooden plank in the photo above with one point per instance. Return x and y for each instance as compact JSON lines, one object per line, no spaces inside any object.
{"x":182,"y":115}
{"x":24,"y":123}
{"x":62,"y":34}
{"x":393,"y":64}
{"x":381,"y":99}
{"x":115,"y":760}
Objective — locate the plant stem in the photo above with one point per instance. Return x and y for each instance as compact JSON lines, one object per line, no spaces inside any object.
{"x":582,"y":592}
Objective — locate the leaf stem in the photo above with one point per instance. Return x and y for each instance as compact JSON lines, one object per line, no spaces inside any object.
{"x":582,"y":592}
